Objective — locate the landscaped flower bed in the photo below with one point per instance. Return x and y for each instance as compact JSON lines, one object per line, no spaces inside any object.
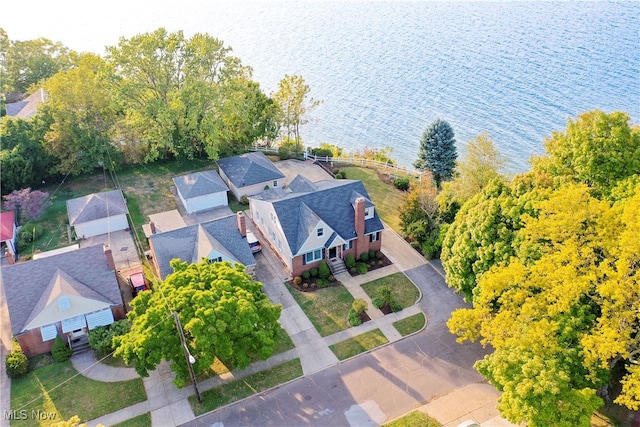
{"x":368,"y":261}
{"x":316,"y":278}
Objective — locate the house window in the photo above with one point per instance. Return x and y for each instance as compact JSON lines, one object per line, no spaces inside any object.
{"x":275,"y":184}
{"x":320,"y":232}
{"x":212,"y":260}
{"x":273,"y":218}
{"x":374,"y":237}
{"x":348,"y":245}
{"x":368,"y":213}
{"x":312,"y":256}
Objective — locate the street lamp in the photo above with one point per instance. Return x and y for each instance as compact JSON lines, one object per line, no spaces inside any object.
{"x":190,"y":359}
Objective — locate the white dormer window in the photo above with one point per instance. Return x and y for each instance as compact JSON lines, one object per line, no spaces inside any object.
{"x":320,"y":232}
{"x":368,"y":213}
{"x":275,"y":184}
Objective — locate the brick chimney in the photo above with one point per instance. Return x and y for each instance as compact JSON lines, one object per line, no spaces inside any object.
{"x":361,"y":241}
{"x":109,"y":255}
{"x":152,"y":226}
{"x":242,"y":226}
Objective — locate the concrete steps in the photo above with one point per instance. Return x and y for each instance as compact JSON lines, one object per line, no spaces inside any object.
{"x":336,"y":265}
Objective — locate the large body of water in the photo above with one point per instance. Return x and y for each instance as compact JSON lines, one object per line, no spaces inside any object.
{"x":386,"y":70}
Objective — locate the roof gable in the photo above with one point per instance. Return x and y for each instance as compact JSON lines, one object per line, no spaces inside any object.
{"x":96,"y":206}
{"x":249,"y":169}
{"x":331,"y":203}
{"x":199,"y":184}
{"x":28,"y":107}
{"x":194,"y":242}
{"x":31,"y":286}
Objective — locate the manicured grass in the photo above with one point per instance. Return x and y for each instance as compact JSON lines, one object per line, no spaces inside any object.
{"x":414,"y":419}
{"x":410,"y":324}
{"x":79,"y":395}
{"x":404,"y":291}
{"x":235,"y":205}
{"x":388,"y":199}
{"x":245,"y":387}
{"x":143,"y":420}
{"x":116,"y":362}
{"x":283,"y":343}
{"x":327,"y":308}
{"x":358,"y":344}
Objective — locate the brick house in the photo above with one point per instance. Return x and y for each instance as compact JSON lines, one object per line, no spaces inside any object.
{"x":310,"y":222}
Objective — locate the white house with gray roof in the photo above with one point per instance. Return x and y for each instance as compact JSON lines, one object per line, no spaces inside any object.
{"x":98,"y":213}
{"x":201,"y":190}
{"x":248,"y":174}
{"x":66,"y":294}
{"x":310,"y":222}
{"x":223,"y":239}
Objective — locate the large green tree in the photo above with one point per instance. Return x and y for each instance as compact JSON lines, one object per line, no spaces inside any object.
{"x":597,"y":148}
{"x":224,"y":312}
{"x":182,"y":97}
{"x":437,"y":152}
{"x":295,"y":104}
{"x":23,"y":159}
{"x":26,"y":63}
{"x":83,"y":115}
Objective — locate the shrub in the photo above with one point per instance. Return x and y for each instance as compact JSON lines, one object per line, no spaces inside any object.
{"x":344,"y":174}
{"x":354,"y":318}
{"x":101,"y":338}
{"x":283,"y":153}
{"x":306,"y":275}
{"x":429,"y":250}
{"x":323,"y":271}
{"x":322,"y":283}
{"x":364,"y":257}
{"x":353,"y":271}
{"x":359,"y":306}
{"x":60,"y":350}
{"x":380,"y":263}
{"x":379,"y":255}
{"x":331,"y":278}
{"x":401,"y":183}
{"x":384,"y":292}
{"x":361,"y":267}
{"x":322,"y":152}
{"x":266,"y":187}
{"x":297,"y":280}
{"x":395,"y":306}
{"x":372,"y":254}
{"x":377,"y":302}
{"x":350,"y":262}
{"x":29,"y":234}
{"x":244,"y":200}
{"x":305,"y":285}
{"x":415,"y":245}
{"x":314,"y":272}
{"x":16,"y":362}
{"x":336,"y":171}
{"x":339,"y":175}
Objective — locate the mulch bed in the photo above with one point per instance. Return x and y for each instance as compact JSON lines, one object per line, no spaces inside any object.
{"x":386,"y":309}
{"x":312,"y":284}
{"x":364,"y":317}
{"x":373,"y":264}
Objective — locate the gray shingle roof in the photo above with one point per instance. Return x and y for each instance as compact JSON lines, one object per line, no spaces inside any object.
{"x":249,"y":169}
{"x":29,"y":285}
{"x":199,"y":184}
{"x":96,"y":206}
{"x":331,"y":202}
{"x":190,"y":243}
{"x":300,"y":184}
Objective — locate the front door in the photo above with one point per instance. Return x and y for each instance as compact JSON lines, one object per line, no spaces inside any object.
{"x":333,"y":252}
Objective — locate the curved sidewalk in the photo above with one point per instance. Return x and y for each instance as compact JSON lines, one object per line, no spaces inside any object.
{"x":87,"y":365}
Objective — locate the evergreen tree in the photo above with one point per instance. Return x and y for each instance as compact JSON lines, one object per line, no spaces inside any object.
{"x":438,"y":151}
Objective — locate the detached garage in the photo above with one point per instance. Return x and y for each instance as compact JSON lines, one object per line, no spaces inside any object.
{"x":201,"y":190}
{"x":98,"y":213}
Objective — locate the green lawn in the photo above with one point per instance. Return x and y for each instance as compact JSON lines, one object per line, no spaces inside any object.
{"x":388,"y":199}
{"x":74,"y":396}
{"x":245,"y":387}
{"x":410,"y":324}
{"x":359,"y":344}
{"x":143,"y":420}
{"x":402,"y":288}
{"x":327,"y":308}
{"x":414,"y":419}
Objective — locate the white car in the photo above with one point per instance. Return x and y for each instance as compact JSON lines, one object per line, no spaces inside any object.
{"x":469,"y":423}
{"x":254,"y":243}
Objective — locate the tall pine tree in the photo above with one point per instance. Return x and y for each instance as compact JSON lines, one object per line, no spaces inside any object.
{"x":438,"y":151}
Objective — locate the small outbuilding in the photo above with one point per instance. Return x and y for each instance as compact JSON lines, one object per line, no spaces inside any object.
{"x":201,"y":191}
{"x":249,"y":174}
{"x":98,"y":213}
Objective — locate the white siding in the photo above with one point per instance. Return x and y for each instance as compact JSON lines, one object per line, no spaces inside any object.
{"x":101,"y":226}
{"x":252,"y":190}
{"x":209,"y":201}
{"x":271,"y":230}
{"x":100,"y":318}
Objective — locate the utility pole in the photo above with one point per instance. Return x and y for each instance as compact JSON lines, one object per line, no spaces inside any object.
{"x":190,"y":359}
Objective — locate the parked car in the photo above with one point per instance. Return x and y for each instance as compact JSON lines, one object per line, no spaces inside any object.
{"x":254,"y":243}
{"x":137,"y":282}
{"x":469,"y":423}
